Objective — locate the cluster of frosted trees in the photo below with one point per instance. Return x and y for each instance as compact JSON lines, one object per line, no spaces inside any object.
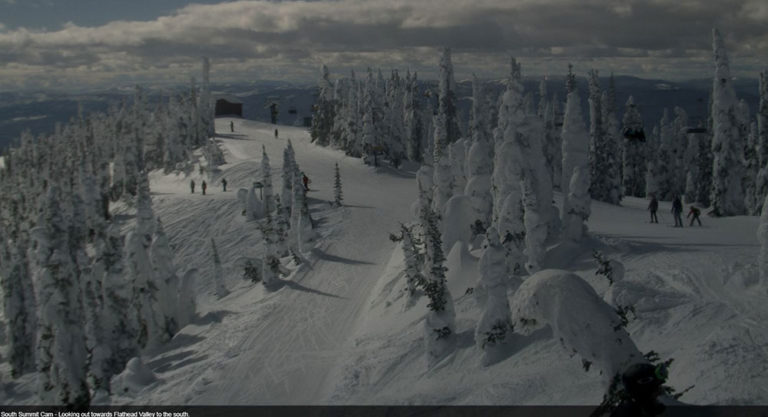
{"x":284,"y":218}
{"x":374,"y":118}
{"x":723,"y":165}
{"x":495,"y":183}
{"x":80,"y":299}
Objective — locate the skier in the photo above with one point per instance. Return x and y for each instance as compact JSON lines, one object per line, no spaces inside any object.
{"x":305,"y":179}
{"x":275,"y":133}
{"x":232,"y":126}
{"x":224,"y":184}
{"x":643,"y":383}
{"x":694,"y":213}
{"x":677,"y":211}
{"x":204,"y":186}
{"x":192,"y":186}
{"x":653,"y":206}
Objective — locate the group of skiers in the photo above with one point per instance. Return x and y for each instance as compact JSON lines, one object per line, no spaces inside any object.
{"x":204,"y":185}
{"x":677,"y":211}
{"x":304,"y":179}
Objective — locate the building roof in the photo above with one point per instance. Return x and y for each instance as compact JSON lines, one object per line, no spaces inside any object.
{"x":228,"y":97}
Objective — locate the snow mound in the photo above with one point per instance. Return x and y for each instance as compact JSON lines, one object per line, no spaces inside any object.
{"x":134,"y":378}
{"x":578,"y":318}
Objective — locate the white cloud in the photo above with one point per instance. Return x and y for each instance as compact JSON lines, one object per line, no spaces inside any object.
{"x":294,"y":37}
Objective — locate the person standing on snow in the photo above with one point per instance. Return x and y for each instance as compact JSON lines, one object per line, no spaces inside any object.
{"x":232,"y":126}
{"x":305,"y":180}
{"x":275,"y":133}
{"x":224,"y":184}
{"x":653,"y":207}
{"x":204,"y":186}
{"x":677,"y":211}
{"x":695,"y":213}
{"x":192,"y":186}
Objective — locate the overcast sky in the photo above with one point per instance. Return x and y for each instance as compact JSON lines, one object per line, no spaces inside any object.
{"x":65,"y":43}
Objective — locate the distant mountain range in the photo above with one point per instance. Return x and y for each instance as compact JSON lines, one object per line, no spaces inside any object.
{"x":40,"y":112}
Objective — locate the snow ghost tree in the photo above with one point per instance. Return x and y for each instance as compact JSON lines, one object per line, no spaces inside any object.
{"x":549,"y":298}
{"x":495,"y":323}
{"x":61,"y":345}
{"x":727,"y":145}
{"x":575,"y":166}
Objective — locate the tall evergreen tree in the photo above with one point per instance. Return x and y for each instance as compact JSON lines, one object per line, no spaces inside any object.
{"x":633,"y":157}
{"x":61,"y":345}
{"x":727,"y":145}
{"x":612,"y":143}
{"x":337,"y":192}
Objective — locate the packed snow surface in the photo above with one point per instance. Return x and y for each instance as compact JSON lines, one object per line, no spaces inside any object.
{"x":342,"y":330}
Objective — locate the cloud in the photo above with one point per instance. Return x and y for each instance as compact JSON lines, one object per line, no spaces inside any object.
{"x":262,"y":37}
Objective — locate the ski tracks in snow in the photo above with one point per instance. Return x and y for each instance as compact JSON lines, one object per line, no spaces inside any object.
{"x":281,"y":347}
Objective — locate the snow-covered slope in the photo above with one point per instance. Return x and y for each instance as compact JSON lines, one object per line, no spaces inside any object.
{"x":340,"y":330}
{"x":693,"y":290}
{"x":254,"y":347}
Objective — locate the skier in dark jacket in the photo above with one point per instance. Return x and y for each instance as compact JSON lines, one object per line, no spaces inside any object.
{"x":232,"y":126}
{"x":643,"y":384}
{"x":192,"y":186}
{"x":677,"y":211}
{"x":693,"y":214}
{"x":204,"y":186}
{"x":275,"y":133}
{"x":653,"y":206}
{"x":305,"y":180}
{"x":224,"y":183}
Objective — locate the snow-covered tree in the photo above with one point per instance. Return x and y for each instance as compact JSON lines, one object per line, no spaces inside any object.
{"x":633,"y":157}
{"x":289,"y":162}
{"x":414,"y":126}
{"x":166,"y":280}
{"x":218,"y":273}
{"x":371,"y":118}
{"x":118,"y":320}
{"x":268,"y":202}
{"x":324,"y":110}
{"x":751,"y":171}
{"x":612,"y":140}
{"x":414,"y":259}
{"x":14,"y":277}
{"x":495,"y":324}
{"x":601,"y":186}
{"x":575,"y":166}
{"x":338,"y":196}
{"x":761,"y":184}
{"x":440,"y":321}
{"x":691,"y":164}
{"x":447,"y":101}
{"x":301,"y":221}
{"x":61,"y":344}
{"x":152,"y":329}
{"x":727,"y":145}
